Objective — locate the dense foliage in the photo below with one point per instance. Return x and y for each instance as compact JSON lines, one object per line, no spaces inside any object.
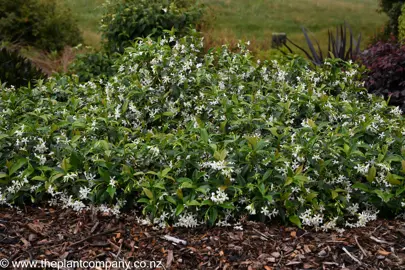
{"x":16,"y":70}
{"x":401,"y":25}
{"x":393,"y":9}
{"x":190,"y":139}
{"x":93,"y":65}
{"x":126,"y":20}
{"x":42,"y":24}
{"x":386,"y":76}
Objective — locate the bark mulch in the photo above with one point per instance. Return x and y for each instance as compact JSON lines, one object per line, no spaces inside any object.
{"x":60,"y":234}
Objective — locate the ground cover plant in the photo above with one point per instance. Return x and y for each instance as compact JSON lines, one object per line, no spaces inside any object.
{"x":189,"y":138}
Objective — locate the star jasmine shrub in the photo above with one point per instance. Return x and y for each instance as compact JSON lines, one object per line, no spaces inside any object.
{"x":189,"y":138}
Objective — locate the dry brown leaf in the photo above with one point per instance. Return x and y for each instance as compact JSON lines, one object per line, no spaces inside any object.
{"x":268,"y":267}
{"x":293,"y":234}
{"x":169,"y":258}
{"x":36,"y":227}
{"x":383,"y":252}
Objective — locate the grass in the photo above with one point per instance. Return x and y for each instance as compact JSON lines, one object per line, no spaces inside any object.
{"x":88,"y":14}
{"x":256,"y":20}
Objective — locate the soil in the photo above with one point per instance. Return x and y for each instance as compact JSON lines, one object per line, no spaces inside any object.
{"x":54,"y":234}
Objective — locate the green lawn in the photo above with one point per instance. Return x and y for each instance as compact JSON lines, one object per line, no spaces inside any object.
{"x":88,"y":14}
{"x":256,"y":20}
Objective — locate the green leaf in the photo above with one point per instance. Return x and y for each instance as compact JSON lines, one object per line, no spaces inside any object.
{"x":288,"y":181}
{"x":143,"y":200}
{"x":301,"y":178}
{"x":346,"y":149}
{"x":227,"y":205}
{"x":111,"y":190}
{"x":220,"y":155}
{"x":170,"y":114}
{"x":171,"y":200}
{"x":295,"y":220}
{"x":21,"y":162}
{"x":180,"y":194}
{"x":371,"y":174}
{"x":39,"y":178}
{"x":213,"y":214}
{"x":400,"y":191}
{"x":125,"y":106}
{"x":204,"y":135}
{"x":267,"y":174}
{"x":166,"y":171}
{"x":3,"y":174}
{"x":311,"y":123}
{"x":179,"y":209}
{"x":273,"y":131}
{"x":186,"y":185}
{"x":311,"y":196}
{"x":148,"y":193}
{"x":78,"y":124}
{"x":334,"y":194}
{"x":361,"y":186}
{"x":193,"y":203}
{"x":65,"y":165}
{"x":385,"y":196}
{"x":392,"y":179}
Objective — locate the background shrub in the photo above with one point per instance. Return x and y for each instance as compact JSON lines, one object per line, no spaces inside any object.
{"x":92,"y":65}
{"x":393,"y":9}
{"x":41,"y":24}
{"x":126,"y":20}
{"x":16,"y":70}
{"x":386,"y":75}
{"x":401,"y":26}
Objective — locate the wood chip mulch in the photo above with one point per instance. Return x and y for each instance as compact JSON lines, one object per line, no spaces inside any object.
{"x":60,"y":234}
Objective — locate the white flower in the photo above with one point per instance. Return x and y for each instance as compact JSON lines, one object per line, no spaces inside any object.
{"x":69,"y":176}
{"x":187,"y":221}
{"x":84,"y":192}
{"x":219,"y":197}
{"x":112,"y":181}
{"x":251,"y":209}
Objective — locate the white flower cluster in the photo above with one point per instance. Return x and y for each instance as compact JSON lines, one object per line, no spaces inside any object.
{"x":310,"y":219}
{"x":219,"y":197}
{"x":187,"y":220}
{"x":265,"y":211}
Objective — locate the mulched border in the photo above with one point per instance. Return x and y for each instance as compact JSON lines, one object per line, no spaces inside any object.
{"x":58,"y":234}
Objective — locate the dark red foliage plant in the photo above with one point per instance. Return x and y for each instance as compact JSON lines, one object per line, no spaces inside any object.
{"x":385,"y":62}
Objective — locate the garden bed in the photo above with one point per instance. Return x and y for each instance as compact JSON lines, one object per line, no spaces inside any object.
{"x":57,"y":234}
